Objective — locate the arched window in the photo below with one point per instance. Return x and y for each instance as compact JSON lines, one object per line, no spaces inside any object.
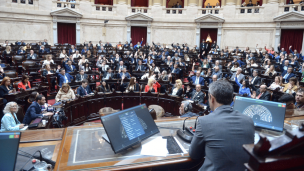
{"x":104,"y":2}
{"x":139,"y":3}
{"x":175,"y":4}
{"x":212,"y":3}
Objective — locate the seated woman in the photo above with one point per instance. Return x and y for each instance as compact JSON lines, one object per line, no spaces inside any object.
{"x":270,"y":71}
{"x":204,"y":64}
{"x":132,"y":85}
{"x":65,"y":93}
{"x":163,"y":76}
{"x":6,"y":88}
{"x":178,"y":90}
{"x":89,"y":54}
{"x":244,"y":87}
{"x":153,"y":67}
{"x":48,"y":61}
{"x":148,"y":75}
{"x":235,"y":67}
{"x":152,"y":85}
{"x":253,"y":64}
{"x":63,"y":54}
{"x":104,"y":87}
{"x":24,"y":84}
{"x":276,"y":84}
{"x":267,"y":64}
{"x":290,"y":87}
{"x":83,"y":60}
{"x":9,"y":121}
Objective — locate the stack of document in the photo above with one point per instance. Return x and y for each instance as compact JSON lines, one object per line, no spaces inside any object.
{"x":156,"y":147}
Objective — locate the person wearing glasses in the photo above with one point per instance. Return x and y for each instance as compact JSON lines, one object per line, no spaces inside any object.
{"x":9,"y":121}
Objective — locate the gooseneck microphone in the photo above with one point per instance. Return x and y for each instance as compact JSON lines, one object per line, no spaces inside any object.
{"x":183,"y":135}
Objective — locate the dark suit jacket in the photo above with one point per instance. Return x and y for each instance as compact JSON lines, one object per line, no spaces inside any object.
{"x":78,"y":77}
{"x":219,"y":142}
{"x":257,"y":81}
{"x":176,"y":71}
{"x":4,"y":90}
{"x":61,"y":78}
{"x":127,"y":75}
{"x":81,"y":91}
{"x":45,"y":72}
{"x":199,"y":97}
{"x":30,"y":57}
{"x":43,"y":51}
{"x":142,"y":68}
{"x":105,"y":75}
{"x":68,"y":68}
{"x":33,"y":112}
{"x":179,"y":92}
{"x":264,"y":96}
{"x":201,"y":80}
{"x":118,"y":66}
{"x":289,"y":76}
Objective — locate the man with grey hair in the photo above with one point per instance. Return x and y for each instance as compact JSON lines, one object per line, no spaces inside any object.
{"x":255,"y":80}
{"x":185,"y":109}
{"x":219,"y":136}
{"x":217,"y":72}
{"x":237,"y":74}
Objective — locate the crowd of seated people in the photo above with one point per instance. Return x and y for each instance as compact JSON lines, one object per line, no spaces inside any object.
{"x":255,"y":73}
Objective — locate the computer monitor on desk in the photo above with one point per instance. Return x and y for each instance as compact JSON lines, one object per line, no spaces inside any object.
{"x":265,"y":114}
{"x":9,"y":145}
{"x":129,"y":127}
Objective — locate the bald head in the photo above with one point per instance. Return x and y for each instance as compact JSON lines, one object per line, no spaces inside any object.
{"x":239,"y":70}
{"x":263,"y":88}
{"x":214,"y":78}
{"x":198,"y":87}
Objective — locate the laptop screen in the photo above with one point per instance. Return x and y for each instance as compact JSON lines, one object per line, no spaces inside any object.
{"x":9,"y":145}
{"x":128,"y":127}
{"x":265,"y":114}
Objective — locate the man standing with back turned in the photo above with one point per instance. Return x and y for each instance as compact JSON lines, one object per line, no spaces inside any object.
{"x":219,"y":136}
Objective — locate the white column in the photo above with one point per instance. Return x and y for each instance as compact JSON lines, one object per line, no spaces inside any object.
{"x":198,"y":34}
{"x":55,"y":36}
{"x":277,"y":35}
{"x":128,"y":31}
{"x":302,"y":45}
{"x":78,"y":30}
{"x":149,"y":32}
{"x":219,"y":34}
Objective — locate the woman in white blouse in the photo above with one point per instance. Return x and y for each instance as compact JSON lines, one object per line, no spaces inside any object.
{"x":82,"y":61}
{"x":63,"y":54}
{"x":270,"y":70}
{"x":153,"y":67}
{"x":9,"y":121}
{"x":276,"y":84}
{"x":148,"y":75}
{"x":217,"y":5}
{"x":48,"y":61}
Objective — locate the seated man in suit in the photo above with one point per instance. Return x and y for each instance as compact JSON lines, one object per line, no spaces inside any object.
{"x":168,"y":60}
{"x":215,"y":138}
{"x":208,"y":6}
{"x":32,"y":55}
{"x":108,"y":44}
{"x":140,"y":67}
{"x":237,"y":74}
{"x":178,"y":5}
{"x":261,"y":93}
{"x":175,"y":70}
{"x":250,"y":4}
{"x":123,"y":73}
{"x":217,"y":72}
{"x":120,"y":66}
{"x":288,"y":74}
{"x":108,"y":74}
{"x":43,"y":50}
{"x":180,"y":54}
{"x":197,"y":95}
{"x":197,"y":79}
{"x":84,"y":89}
{"x":102,"y":50}
{"x":21,"y":43}
{"x":255,"y":80}
{"x":64,"y":77}
{"x":185,"y":109}
{"x":81,"y":76}
{"x":34,"y":111}
{"x":213,"y":79}
{"x":45,"y":43}
{"x":217,"y":63}
{"x":103,"y":66}
{"x":284,"y":66}
{"x":69,"y":67}
{"x":175,"y":57}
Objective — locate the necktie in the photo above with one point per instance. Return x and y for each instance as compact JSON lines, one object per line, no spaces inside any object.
{"x":194,"y":95}
{"x":286,"y":75}
{"x":81,"y":77}
{"x":71,"y":68}
{"x":259,"y":95}
{"x":173,"y":70}
{"x":85,"y":91}
{"x":197,"y":80}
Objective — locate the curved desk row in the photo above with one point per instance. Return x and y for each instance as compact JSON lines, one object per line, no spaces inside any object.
{"x":86,"y":108}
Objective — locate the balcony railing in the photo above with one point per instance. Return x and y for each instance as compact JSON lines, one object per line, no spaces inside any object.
{"x":30,"y":2}
{"x":292,"y":7}
{"x":250,"y":10}
{"x":61,"y":4}
{"x":104,"y":8}
{"x":209,"y":11}
{"x":175,"y":11}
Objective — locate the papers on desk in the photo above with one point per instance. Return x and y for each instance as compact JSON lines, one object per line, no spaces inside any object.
{"x":24,"y":128}
{"x":156,"y":147}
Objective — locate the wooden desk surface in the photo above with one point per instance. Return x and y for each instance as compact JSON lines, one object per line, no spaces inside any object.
{"x":72,"y":139}
{"x":41,"y":135}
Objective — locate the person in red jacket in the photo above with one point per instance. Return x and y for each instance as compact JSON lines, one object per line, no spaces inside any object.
{"x":24,"y":84}
{"x":152,"y":85}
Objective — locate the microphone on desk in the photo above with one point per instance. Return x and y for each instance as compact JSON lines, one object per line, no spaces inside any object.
{"x":183,"y":135}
